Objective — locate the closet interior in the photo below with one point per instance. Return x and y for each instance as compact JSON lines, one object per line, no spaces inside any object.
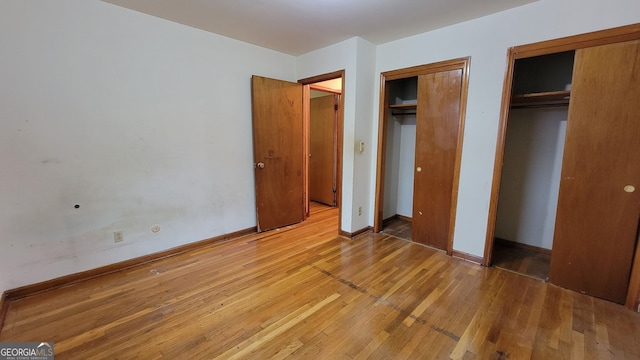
{"x":532,"y":163}
{"x":400,"y":156}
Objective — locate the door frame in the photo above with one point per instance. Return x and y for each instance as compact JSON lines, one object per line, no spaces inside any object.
{"x":447,"y":65}
{"x":597,"y":38}
{"x":307,"y":84}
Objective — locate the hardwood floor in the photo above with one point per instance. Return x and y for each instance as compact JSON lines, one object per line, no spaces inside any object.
{"x":304,"y":293}
{"x":505,"y":256}
{"x":521,"y":260}
{"x":398,"y":227}
{"x":316,"y":207}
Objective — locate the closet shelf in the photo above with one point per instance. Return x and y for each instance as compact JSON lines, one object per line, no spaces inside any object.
{"x":549,"y":98}
{"x":403,"y":109}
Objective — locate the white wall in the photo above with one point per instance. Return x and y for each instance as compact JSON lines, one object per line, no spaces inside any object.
{"x":399,"y":164}
{"x":138,"y":120}
{"x":406,"y":167}
{"x":363,"y":183}
{"x":531,"y":176}
{"x":392,"y":166}
{"x":357,"y":57}
{"x":486,"y":40}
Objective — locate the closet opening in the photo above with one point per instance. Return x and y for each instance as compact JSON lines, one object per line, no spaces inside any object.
{"x":534,"y":146}
{"x":400,"y":157}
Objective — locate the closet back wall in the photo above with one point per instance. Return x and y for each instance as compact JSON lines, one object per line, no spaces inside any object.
{"x":531,"y":176}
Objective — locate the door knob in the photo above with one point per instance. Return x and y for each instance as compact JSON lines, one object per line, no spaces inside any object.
{"x":418,"y":169}
{"x":260,"y":165}
{"x":629,"y":188}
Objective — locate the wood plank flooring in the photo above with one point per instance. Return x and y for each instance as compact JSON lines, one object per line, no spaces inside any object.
{"x":523,"y":261}
{"x":519,"y":260}
{"x":399,"y":228}
{"x":304,"y":293}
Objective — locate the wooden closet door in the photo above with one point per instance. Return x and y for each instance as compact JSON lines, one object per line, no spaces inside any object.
{"x":437,"y":124}
{"x":598,"y":211}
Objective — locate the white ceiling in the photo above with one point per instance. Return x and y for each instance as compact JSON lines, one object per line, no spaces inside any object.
{"x":298,"y":26}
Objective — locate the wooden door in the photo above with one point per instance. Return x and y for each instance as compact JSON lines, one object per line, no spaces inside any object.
{"x":277,"y":146}
{"x":597,"y":218}
{"x":322,"y":157}
{"x":437,"y":125}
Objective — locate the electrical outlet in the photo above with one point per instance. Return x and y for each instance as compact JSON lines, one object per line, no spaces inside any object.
{"x":118,"y":236}
{"x":359,"y":210}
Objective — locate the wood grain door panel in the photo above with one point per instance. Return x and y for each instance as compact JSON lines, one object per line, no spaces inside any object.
{"x":278,"y":144}
{"x":322,"y":169}
{"x":437,"y":124}
{"x":597,"y":220}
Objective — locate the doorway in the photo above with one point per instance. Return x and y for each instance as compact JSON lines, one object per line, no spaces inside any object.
{"x":323,"y":145}
{"x":323,"y":123}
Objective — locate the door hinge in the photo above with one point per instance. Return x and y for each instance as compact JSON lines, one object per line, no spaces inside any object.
{"x":335,"y":107}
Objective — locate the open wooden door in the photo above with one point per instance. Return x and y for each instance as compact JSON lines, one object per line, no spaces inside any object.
{"x":323,"y":149}
{"x":278,"y":152}
{"x":599,"y":201}
{"x":437,"y":126}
